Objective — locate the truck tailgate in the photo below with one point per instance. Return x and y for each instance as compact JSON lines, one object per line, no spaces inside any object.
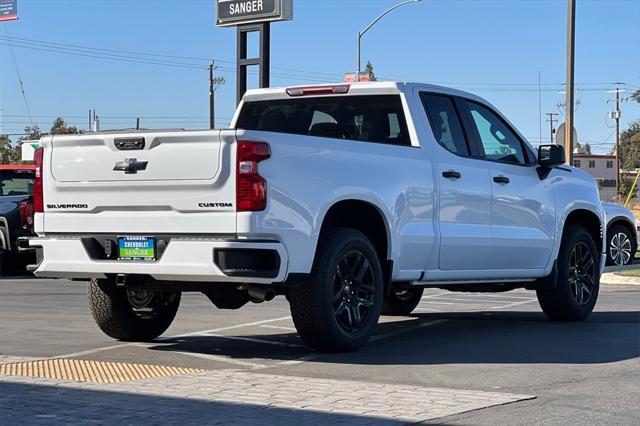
{"x":179,"y":182}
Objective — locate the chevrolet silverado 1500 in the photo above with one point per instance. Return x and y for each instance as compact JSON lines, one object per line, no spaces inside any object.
{"x":347,"y":199}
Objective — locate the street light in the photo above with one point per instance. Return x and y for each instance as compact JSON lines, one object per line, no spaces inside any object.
{"x":375,"y":21}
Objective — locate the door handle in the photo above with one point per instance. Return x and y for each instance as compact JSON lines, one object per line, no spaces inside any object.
{"x":451,"y":174}
{"x":501,"y":180}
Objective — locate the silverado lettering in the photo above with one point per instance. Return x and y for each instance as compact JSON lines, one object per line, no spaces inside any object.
{"x":67,"y":206}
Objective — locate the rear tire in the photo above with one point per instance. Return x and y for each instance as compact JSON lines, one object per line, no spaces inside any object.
{"x":3,"y":261}
{"x":8,"y":262}
{"x":338,"y":307}
{"x":576,"y":291}
{"x":401,"y":302}
{"x":129,"y":314}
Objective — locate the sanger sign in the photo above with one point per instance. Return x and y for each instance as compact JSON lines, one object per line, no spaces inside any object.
{"x":8,"y":10}
{"x":238,"y":12}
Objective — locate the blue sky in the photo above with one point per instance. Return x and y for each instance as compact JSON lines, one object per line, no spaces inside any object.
{"x":492,"y":48}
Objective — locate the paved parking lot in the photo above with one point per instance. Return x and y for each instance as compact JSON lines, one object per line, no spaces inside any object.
{"x":461,"y":359}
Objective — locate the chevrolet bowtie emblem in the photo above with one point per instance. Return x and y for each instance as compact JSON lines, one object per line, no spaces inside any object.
{"x":130,"y":166}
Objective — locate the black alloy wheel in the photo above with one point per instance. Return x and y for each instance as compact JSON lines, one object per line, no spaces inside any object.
{"x":338,"y":306}
{"x":353,"y":291}
{"x":574,"y":294}
{"x":582,"y":274}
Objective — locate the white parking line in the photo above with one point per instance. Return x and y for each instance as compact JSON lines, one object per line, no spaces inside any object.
{"x":255,"y":340}
{"x":92,"y":351}
{"x":430,"y":296}
{"x":504,"y":295}
{"x":218,"y":358}
{"x":511,"y":305}
{"x":217,"y":330}
{"x":161,"y":339}
{"x":472,"y":299}
{"x":407,"y":329}
{"x":279,"y":327}
{"x":425,"y":309}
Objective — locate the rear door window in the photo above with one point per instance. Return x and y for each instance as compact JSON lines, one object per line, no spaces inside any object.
{"x":445,"y":123}
{"x":370,"y":118}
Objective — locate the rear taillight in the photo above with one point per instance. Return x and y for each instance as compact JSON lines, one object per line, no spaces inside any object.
{"x":38,"y":199}
{"x":26,"y":215}
{"x":251,"y":188}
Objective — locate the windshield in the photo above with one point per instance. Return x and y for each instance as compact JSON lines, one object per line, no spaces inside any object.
{"x":16,"y":182}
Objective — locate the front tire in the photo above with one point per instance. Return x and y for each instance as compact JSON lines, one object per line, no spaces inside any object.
{"x":338,"y":307}
{"x":576,"y":291}
{"x":401,"y":302}
{"x":620,"y":246}
{"x":131,"y":314}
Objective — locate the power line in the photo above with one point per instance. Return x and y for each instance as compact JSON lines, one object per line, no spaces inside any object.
{"x":15,"y":63}
{"x":194,"y":62}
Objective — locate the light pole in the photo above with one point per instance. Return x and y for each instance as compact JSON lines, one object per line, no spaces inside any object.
{"x":375,"y":21}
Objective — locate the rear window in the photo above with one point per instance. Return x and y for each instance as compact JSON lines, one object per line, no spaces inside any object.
{"x":19,"y":182}
{"x":372,"y":118}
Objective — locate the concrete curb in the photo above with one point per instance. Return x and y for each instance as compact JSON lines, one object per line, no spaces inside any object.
{"x":613,"y":278}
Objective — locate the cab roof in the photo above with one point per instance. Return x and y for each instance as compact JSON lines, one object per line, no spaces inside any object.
{"x":363,"y":88}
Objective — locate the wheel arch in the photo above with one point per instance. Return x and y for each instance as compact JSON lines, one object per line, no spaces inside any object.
{"x":364,"y":216}
{"x":590,"y":221}
{"x":367,"y":218}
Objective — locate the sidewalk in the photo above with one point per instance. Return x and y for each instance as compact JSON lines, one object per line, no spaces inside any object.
{"x":611,"y":275}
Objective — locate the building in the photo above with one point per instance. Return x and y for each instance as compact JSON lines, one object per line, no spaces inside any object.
{"x":603,"y":168}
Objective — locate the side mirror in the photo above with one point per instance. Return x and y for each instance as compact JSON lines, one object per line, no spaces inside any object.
{"x":551,"y":156}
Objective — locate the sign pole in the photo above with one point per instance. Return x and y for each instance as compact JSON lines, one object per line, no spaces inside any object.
{"x":249,"y":17}
{"x":265,"y":55}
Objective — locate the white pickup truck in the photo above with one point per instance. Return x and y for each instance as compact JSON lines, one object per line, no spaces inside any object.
{"x":347,"y":199}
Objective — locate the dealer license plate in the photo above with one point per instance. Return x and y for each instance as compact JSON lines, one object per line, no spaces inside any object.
{"x":136,"y":248}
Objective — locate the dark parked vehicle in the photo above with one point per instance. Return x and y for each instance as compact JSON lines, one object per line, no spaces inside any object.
{"x":16,"y":213}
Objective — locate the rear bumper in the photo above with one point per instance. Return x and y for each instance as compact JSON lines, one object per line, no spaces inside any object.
{"x":183,"y":259}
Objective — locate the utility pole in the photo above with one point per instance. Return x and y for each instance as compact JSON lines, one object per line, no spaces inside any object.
{"x":214,"y":83}
{"x":552,"y":120}
{"x":212,"y":103}
{"x":617,"y":114}
{"x":571,"y":58}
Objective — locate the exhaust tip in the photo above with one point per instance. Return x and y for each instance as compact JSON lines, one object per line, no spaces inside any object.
{"x":261,"y":294}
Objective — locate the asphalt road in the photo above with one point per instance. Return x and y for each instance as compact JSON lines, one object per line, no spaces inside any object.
{"x":585,"y":373}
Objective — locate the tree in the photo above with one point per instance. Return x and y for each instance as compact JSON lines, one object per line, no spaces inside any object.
{"x":630,"y":142}
{"x":368,"y":71}
{"x":625,"y":187}
{"x":8,"y":153}
{"x":31,"y":133}
{"x":59,"y":127}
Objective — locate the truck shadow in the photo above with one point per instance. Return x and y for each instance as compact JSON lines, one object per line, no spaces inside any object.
{"x":456,"y":338}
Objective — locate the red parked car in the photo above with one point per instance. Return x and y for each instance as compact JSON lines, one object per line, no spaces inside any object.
{"x":16,"y":213}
